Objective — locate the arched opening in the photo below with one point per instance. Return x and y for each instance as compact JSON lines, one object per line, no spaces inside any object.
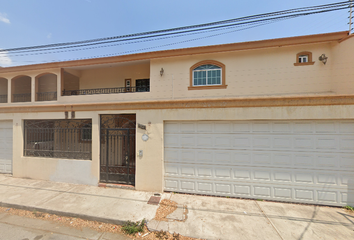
{"x":46,"y":87}
{"x":3,"y":90}
{"x":21,"y":89}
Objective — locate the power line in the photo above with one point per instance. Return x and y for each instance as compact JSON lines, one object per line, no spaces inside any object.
{"x":193,"y":28}
{"x":168,"y":35}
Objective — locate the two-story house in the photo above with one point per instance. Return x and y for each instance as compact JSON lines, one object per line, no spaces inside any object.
{"x":271,"y":119}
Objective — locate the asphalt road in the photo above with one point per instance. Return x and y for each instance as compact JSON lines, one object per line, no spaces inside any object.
{"x":21,"y":228}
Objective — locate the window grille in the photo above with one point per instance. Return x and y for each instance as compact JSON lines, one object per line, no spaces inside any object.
{"x":69,"y":139}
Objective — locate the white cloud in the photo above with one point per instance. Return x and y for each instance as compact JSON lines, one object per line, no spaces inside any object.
{"x":5,"y":60}
{"x":3,"y":18}
{"x":49,"y":35}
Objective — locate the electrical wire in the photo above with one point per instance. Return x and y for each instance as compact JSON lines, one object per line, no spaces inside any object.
{"x":180,"y":33}
{"x":185,"y":29}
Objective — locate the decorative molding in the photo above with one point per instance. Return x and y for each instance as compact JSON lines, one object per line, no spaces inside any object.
{"x":190,"y":104}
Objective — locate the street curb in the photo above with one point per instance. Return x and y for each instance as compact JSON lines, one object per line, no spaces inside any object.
{"x":64,"y":214}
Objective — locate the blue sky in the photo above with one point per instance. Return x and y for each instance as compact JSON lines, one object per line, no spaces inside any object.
{"x":36,"y":22}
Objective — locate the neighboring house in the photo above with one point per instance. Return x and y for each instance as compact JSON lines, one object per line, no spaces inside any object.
{"x":265,"y":119}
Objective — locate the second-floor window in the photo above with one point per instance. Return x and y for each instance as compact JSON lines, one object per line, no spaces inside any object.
{"x":207,"y":74}
{"x":303,"y":58}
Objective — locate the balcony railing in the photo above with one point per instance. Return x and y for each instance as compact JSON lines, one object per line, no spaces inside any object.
{"x":106,"y":90}
{"x":22,"y":97}
{"x":3,"y":98}
{"x":46,"y":96}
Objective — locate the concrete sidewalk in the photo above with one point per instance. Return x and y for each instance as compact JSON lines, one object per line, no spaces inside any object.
{"x":203,"y":217}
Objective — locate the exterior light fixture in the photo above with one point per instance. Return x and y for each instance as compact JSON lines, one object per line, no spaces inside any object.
{"x":161,"y":72}
{"x":323,"y":58}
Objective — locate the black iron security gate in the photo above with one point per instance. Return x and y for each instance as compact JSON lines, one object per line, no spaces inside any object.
{"x":118,"y":149}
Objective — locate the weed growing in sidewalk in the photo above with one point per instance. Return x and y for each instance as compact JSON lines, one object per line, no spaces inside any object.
{"x":132,"y":228}
{"x":161,"y":235}
{"x":349,"y":208}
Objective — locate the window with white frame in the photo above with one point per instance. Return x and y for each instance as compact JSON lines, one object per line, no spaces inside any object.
{"x":206,"y":75}
{"x":303,"y":58}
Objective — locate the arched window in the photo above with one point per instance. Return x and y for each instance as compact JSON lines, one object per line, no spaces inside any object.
{"x":207,"y":74}
{"x":303,"y":59}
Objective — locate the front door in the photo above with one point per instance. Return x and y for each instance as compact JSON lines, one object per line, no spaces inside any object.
{"x":117,"y":163}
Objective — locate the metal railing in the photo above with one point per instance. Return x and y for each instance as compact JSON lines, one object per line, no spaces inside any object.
{"x":46,"y":96}
{"x":22,"y":97}
{"x":68,"y":139}
{"x":106,"y":90}
{"x":3,"y":98}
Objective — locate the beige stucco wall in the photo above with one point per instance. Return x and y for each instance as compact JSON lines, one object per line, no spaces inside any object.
{"x":248,"y":73}
{"x":54,"y":169}
{"x":110,"y":77}
{"x":343,"y":67}
{"x":149,"y":167}
{"x":260,"y":72}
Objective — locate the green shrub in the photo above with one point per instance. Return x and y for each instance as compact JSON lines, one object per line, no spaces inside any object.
{"x":349,"y":208}
{"x":132,"y":228}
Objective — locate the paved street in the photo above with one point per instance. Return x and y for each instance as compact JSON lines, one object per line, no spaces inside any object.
{"x":14,"y":227}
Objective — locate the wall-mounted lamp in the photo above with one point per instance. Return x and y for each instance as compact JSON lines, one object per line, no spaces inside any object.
{"x":161,"y":72}
{"x":323,"y":58}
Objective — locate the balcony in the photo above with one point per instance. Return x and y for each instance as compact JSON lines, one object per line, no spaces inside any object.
{"x":46,"y":96}
{"x":3,"y":98}
{"x":21,"y":97}
{"x":106,"y":90}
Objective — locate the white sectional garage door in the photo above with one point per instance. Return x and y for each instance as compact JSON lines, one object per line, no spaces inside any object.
{"x":5,"y":147}
{"x":295,"y":161}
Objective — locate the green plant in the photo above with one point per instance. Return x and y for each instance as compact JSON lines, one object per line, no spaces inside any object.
{"x":260,"y":200}
{"x":349,"y":208}
{"x":161,"y":235}
{"x":131,"y":228}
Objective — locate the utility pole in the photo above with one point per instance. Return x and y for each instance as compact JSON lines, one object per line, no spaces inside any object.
{"x":350,"y":16}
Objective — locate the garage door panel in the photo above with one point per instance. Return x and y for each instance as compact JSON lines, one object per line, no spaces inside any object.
{"x":6,"y":147}
{"x":283,"y":193}
{"x":303,"y":127}
{"x":326,"y":161}
{"x":300,"y":161}
{"x":263,"y":191}
{"x":282,"y":142}
{"x":346,"y":127}
{"x":346,"y":143}
{"x":241,"y":127}
{"x":187,"y":127}
{"x":204,"y":156}
{"x":305,"y":160}
{"x":282,"y":159}
{"x":205,"y":127}
{"x":256,"y":175}
{"x":282,"y":127}
{"x":325,"y":127}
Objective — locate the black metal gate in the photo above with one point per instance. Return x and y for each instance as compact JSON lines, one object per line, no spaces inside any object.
{"x":117,"y":149}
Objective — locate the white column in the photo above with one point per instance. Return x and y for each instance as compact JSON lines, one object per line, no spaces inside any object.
{"x":33,"y":89}
{"x":9,"y":91}
{"x":59,"y":84}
